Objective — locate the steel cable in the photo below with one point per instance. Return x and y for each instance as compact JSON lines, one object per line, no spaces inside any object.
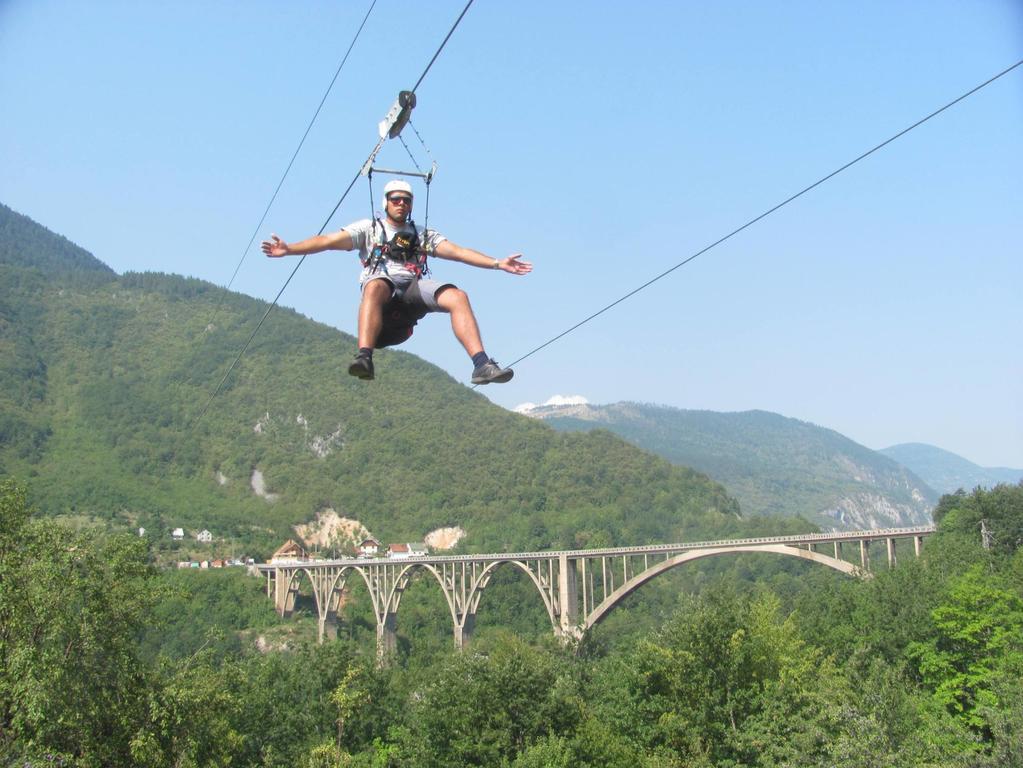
{"x":273,"y":197}
{"x":766,"y":213}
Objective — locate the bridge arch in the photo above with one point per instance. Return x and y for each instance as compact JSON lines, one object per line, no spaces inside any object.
{"x":338,"y":581}
{"x":397,"y":589}
{"x":462,"y":614}
{"x":323,"y":589}
{"x":545,"y":590}
{"x":576,"y":587}
{"x":612,"y":600}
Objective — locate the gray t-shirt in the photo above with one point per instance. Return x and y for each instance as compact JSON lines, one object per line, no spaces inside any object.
{"x":363,"y":238}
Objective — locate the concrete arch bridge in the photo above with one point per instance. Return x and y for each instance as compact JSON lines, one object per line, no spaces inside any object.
{"x":577,"y":587}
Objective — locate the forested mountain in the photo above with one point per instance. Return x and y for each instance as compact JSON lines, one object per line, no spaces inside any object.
{"x":24,"y":243}
{"x":774,"y":465}
{"x":103,"y":377}
{"x":947,"y":472}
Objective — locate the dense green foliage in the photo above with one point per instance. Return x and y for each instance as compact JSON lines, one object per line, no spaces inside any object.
{"x":24,"y":243}
{"x":918,"y":666}
{"x":71,"y":607}
{"x":219,"y":610}
{"x":774,"y":465}
{"x":103,"y":378}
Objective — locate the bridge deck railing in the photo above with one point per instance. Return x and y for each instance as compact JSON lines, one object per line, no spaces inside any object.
{"x":578,"y":587}
{"x":803,"y":538}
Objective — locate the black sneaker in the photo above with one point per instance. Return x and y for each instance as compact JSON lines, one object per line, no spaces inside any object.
{"x":362,"y":368}
{"x":491,"y":373}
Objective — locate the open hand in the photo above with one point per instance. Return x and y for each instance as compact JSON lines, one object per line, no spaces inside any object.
{"x":514,"y":265}
{"x":275,"y":247}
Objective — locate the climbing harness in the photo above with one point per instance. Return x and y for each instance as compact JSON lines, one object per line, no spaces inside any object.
{"x":403,"y":248}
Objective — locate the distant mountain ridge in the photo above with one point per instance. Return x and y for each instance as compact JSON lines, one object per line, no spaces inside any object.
{"x":102,"y":377}
{"x":947,"y":472}
{"x":773,"y":464}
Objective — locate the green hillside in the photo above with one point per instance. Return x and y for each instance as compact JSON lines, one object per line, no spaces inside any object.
{"x":774,"y":465}
{"x":945,"y":471}
{"x":23,"y":243}
{"x":102,"y":378}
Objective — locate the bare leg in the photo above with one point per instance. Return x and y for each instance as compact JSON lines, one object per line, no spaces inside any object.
{"x":455,"y":302}
{"x":375,"y":294}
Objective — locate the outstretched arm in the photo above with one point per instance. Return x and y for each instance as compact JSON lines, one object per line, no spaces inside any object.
{"x":337,"y":241}
{"x":455,"y":252}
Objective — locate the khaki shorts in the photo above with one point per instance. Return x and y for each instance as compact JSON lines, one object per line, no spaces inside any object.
{"x":411,"y":300}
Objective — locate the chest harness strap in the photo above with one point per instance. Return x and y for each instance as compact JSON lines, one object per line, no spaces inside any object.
{"x":403,"y":248}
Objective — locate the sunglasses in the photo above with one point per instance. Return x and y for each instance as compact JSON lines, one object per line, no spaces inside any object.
{"x":396,"y":199}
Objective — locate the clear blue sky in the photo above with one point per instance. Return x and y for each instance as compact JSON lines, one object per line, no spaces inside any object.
{"x":607,"y":142}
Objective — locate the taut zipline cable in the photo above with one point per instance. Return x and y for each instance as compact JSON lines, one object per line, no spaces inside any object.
{"x":766,"y":213}
{"x":287,"y":170}
{"x":441,"y":48}
{"x":325,"y":223}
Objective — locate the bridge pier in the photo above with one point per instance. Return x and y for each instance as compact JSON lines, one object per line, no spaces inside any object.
{"x":890,"y":546}
{"x":387,"y":638}
{"x":568,"y":598}
{"x":285,"y":592}
{"x":864,"y":555}
{"x":327,"y":627}
{"x":463,"y":631}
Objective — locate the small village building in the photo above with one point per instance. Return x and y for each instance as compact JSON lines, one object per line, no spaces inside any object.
{"x":405,"y":551}
{"x":398,"y":551}
{"x":178,"y":534}
{"x":289,"y":552}
{"x":368,"y":548}
{"x":204,"y":536}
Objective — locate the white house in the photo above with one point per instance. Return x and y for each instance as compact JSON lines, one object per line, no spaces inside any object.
{"x":368,"y":548}
{"x":177,"y":534}
{"x":204,"y":536}
{"x":404,"y":551}
{"x":397,"y":551}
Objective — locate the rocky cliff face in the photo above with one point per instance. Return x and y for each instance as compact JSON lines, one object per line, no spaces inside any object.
{"x":890,"y":497}
{"x":863,"y":511}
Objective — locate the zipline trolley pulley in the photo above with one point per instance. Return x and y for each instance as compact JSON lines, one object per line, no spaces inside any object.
{"x":391,"y":127}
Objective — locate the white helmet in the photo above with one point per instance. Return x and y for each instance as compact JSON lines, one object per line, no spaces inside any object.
{"x":397,"y":185}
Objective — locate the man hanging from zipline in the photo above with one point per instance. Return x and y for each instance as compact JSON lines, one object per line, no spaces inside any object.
{"x":395,"y":293}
